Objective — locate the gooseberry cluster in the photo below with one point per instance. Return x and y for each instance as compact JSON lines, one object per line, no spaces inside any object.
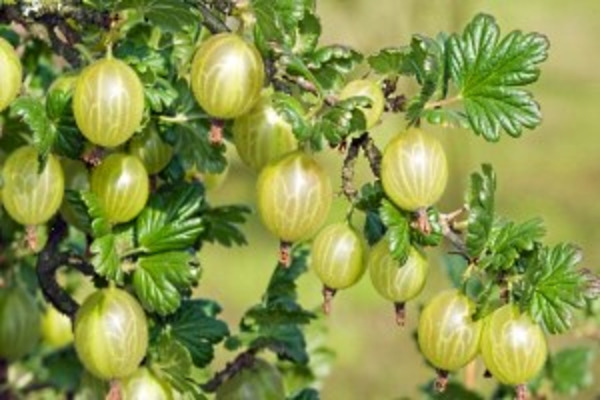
{"x":129,"y":157}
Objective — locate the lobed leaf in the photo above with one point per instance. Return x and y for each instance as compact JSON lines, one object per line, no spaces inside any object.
{"x":398,"y":230}
{"x":33,"y":113}
{"x":490,"y":71}
{"x":195,"y":327}
{"x":570,"y":370}
{"x":222,"y":224}
{"x":99,"y":221}
{"x":480,"y":203}
{"x":171,"y":220}
{"x":105,"y":258}
{"x":159,"y":280}
{"x":330,"y":64}
{"x":553,"y":288}
{"x":168,"y":15}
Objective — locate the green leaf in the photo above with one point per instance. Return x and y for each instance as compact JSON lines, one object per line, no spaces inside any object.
{"x":171,"y":360}
{"x":159,"y":280}
{"x":427,"y":62}
{"x":330,"y":64}
{"x":397,"y":231}
{"x":305,"y":394}
{"x":307,"y":33}
{"x":273,"y":323}
{"x":392,"y":61}
{"x":370,"y":196}
{"x":571,"y":370}
{"x":374,"y":230}
{"x":33,"y":113}
{"x":433,"y":238}
{"x":288,"y":107}
{"x":222,"y":224}
{"x":100,"y":223}
{"x":169,"y":15}
{"x":171,"y":220}
{"x":58,"y":104}
{"x":64,"y":369}
{"x":195,"y":327}
{"x":553,"y":287}
{"x":480,"y":202}
{"x":508,"y":240}
{"x":105,"y":258}
{"x":339,"y":121}
{"x":279,"y":21}
{"x":490,"y":71}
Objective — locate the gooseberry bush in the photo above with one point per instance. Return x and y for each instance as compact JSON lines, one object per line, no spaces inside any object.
{"x":115,"y":116}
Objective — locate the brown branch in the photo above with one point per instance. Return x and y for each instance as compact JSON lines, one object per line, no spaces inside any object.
{"x":348,"y":168}
{"x":373,"y":155}
{"x":452,"y":235}
{"x":212,"y":22}
{"x":49,"y":261}
{"x":242,"y":361}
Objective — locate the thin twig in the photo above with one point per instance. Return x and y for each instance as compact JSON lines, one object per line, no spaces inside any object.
{"x":373,"y":154}
{"x":243,"y":360}
{"x":210,"y":20}
{"x":348,"y":168}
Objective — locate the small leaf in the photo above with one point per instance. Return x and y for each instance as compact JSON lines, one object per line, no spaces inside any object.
{"x":329,"y":65}
{"x":160,"y":279}
{"x":198,"y":330}
{"x":553,"y":288}
{"x":490,"y":72}
{"x":33,"y":113}
{"x":169,"y":15}
{"x":374,"y":229}
{"x":342,"y":119}
{"x":100,"y":224}
{"x":172,"y":361}
{"x":397,"y":231}
{"x":222,"y":225}
{"x":571,"y":370}
{"x":480,"y":202}
{"x":392,"y":61}
{"x":171,"y":220}
{"x":64,"y":369}
{"x":305,"y":394}
{"x":106,"y":260}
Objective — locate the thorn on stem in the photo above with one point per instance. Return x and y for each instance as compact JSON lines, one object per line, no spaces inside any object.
{"x":216,"y":131}
{"x":328,"y":295}
{"x":441,"y":381}
{"x":400,"y":310}
{"x":285,"y":253}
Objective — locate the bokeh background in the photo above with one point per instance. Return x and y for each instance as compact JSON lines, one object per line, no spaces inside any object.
{"x":553,"y":172}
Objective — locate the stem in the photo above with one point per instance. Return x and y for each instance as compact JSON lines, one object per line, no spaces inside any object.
{"x":521,"y":392}
{"x":471,"y":375}
{"x":400,"y":310}
{"x":373,"y":155}
{"x":243,"y":360}
{"x":443,"y":103}
{"x":216,"y":131}
{"x":441,"y":381}
{"x":210,"y":20}
{"x":115,"y":392}
{"x":285,"y":256}
{"x":328,"y":295}
{"x":452,"y":236}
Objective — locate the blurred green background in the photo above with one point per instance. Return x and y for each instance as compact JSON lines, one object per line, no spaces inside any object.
{"x":553,"y":172}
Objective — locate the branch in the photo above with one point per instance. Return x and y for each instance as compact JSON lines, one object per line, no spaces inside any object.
{"x":348,"y":168}
{"x":373,"y":154}
{"x":453,"y":236}
{"x":49,"y":262}
{"x":213,"y":23}
{"x":243,"y":360}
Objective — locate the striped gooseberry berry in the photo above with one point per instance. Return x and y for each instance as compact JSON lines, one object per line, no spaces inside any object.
{"x":414,"y":170}
{"x":145,"y":385}
{"x":227,"y":75}
{"x":19,"y":323}
{"x":108,"y":102}
{"x":77,"y":178}
{"x":148,"y":146}
{"x":447,"y":335}
{"x":513,"y":346}
{"x":294,"y":196}
{"x":111,"y":333}
{"x":11,"y":72}
{"x":122,"y":186}
{"x":337,"y":258}
{"x":370,"y":90}
{"x":262,"y":135}
{"x":31,"y":197}
{"x":56,"y":328}
{"x":397,"y":282}
{"x":259,"y":380}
